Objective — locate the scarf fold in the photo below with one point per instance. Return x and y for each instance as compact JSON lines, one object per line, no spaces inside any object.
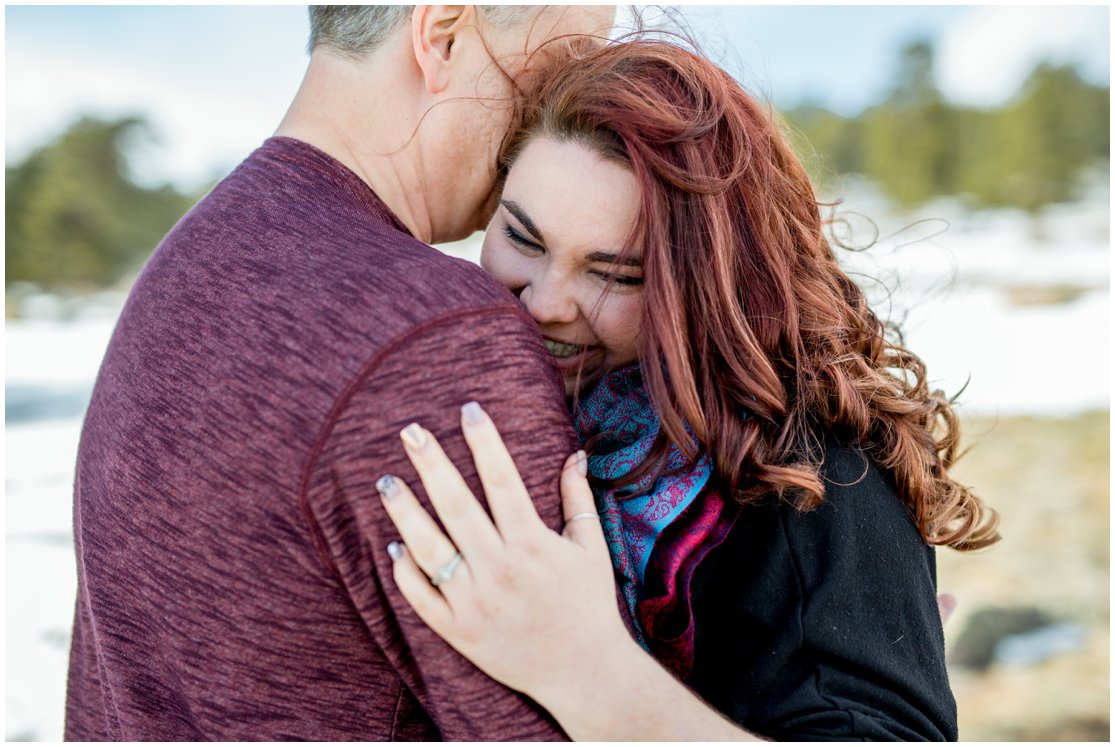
{"x":620,"y":412}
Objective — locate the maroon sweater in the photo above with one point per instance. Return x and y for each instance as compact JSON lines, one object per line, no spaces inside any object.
{"x":233,"y":578}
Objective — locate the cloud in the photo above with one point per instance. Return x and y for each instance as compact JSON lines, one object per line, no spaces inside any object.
{"x":986,"y":55}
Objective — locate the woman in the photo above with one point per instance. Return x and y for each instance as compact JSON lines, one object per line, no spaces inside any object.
{"x":770,"y":472}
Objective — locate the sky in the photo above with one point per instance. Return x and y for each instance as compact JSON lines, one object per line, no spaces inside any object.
{"x":215,"y":80}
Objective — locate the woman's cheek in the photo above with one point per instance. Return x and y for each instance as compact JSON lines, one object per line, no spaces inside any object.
{"x":624,"y":327}
{"x":486,"y":252}
{"x":499,"y":263}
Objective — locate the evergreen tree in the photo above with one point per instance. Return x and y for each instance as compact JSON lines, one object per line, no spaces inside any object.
{"x":908,"y":139}
{"x":74,"y":217}
{"x":1054,"y":129}
{"x":828,"y":144}
{"x":915,"y":145}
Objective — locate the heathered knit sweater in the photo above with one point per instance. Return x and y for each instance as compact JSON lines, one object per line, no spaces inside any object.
{"x":234,"y":581}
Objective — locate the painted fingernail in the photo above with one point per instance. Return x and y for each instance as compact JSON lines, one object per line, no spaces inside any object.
{"x":387,"y":486}
{"x":473,"y":414}
{"x":395,"y":550}
{"x":414,"y":436}
{"x":582,"y":463}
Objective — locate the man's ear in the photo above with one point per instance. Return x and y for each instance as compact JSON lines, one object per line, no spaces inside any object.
{"x":433,"y":31}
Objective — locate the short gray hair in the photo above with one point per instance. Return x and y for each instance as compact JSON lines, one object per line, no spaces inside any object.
{"x":356,"y":30}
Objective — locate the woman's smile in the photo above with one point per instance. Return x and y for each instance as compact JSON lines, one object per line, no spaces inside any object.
{"x":571,"y":359}
{"x":564,"y":349}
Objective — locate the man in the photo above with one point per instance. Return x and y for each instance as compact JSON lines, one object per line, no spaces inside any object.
{"x":234,"y":581}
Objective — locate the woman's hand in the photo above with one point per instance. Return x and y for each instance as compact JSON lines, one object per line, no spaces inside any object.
{"x":534,"y":609}
{"x":946,"y":605}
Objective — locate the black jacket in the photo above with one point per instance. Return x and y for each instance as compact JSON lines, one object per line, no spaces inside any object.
{"x":824,"y":625}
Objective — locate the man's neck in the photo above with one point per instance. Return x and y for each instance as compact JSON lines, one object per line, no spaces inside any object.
{"x":356,"y":113}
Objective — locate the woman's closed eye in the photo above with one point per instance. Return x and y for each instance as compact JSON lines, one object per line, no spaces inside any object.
{"x":520,"y":240}
{"x":630,"y":281}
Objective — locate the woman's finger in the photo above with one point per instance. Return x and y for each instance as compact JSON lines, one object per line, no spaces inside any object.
{"x":464,"y":518}
{"x":508,"y":499}
{"x":427,"y":545}
{"x":430,"y":605}
{"x":946,"y":605}
{"x":582,"y":522}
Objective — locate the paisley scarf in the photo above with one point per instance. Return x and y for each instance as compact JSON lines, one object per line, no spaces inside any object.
{"x":656,"y":526}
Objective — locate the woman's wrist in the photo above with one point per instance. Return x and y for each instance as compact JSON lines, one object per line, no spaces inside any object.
{"x":585,"y":695}
{"x":622,"y":694}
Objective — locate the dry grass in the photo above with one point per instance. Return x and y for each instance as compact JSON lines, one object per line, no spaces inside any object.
{"x":1044,"y":294}
{"x":1050,"y":481}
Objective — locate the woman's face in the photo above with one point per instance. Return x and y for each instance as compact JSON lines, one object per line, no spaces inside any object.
{"x":562,"y":222}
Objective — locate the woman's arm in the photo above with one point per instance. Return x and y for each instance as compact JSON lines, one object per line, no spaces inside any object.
{"x":534,"y":609}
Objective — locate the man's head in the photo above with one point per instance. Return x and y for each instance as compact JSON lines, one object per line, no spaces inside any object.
{"x":356,"y":30}
{"x":433,"y":89}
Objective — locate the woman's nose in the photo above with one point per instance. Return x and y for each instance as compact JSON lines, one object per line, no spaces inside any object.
{"x":548,"y":301}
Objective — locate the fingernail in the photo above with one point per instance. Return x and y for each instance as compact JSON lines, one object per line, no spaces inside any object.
{"x":582,"y":463}
{"x":395,"y":550}
{"x":387,"y":486}
{"x":414,"y":436}
{"x":472,"y":413}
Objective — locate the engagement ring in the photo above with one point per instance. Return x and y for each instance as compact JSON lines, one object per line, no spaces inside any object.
{"x":446,"y":571}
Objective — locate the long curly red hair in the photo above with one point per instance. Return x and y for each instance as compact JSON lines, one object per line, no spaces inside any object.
{"x":746,"y":310}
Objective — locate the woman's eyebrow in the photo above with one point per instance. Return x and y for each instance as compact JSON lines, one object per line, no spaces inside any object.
{"x":517,"y":210}
{"x":612,"y":259}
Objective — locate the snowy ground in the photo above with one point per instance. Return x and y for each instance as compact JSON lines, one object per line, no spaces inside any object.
{"x":965,"y":320}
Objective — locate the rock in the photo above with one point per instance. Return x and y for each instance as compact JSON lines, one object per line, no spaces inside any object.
{"x":1039,"y":644}
{"x":976,"y":645}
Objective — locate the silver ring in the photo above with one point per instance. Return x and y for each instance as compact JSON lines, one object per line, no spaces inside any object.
{"x":446,"y":571}
{"x":588,"y":515}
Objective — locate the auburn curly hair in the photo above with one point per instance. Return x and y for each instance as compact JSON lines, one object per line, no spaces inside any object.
{"x":746,"y":310}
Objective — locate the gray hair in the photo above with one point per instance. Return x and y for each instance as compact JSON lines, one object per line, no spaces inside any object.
{"x":356,"y":30}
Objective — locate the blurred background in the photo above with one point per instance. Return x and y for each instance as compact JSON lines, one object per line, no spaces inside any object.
{"x":966,"y":153}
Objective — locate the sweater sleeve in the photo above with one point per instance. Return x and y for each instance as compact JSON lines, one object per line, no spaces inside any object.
{"x":496,"y":358}
{"x":869,"y":624}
